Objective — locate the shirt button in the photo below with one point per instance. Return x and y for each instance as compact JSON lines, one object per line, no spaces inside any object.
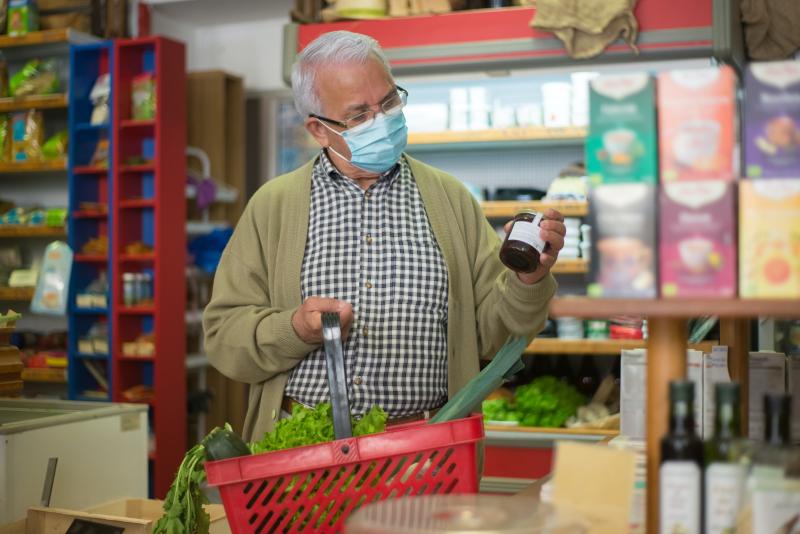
{"x":368,"y":239}
{"x":368,"y":285}
{"x":357,"y":381}
{"x":367,"y":194}
{"x":364,"y":331}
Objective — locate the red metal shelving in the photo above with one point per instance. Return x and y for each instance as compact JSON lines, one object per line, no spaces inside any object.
{"x":89,"y":214}
{"x":89,"y":169}
{"x":162,"y":142}
{"x":89,"y":258}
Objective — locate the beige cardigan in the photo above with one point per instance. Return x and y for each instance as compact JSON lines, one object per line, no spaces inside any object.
{"x":248,"y":331}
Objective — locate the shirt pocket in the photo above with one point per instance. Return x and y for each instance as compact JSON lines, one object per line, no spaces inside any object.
{"x":418,"y":275}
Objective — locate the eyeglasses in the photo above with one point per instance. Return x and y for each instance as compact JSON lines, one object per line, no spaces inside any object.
{"x":392,"y":105}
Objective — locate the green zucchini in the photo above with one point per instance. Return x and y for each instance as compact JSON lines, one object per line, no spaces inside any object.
{"x":223,"y":443}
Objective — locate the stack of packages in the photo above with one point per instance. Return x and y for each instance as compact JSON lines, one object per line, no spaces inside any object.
{"x":10,"y":360}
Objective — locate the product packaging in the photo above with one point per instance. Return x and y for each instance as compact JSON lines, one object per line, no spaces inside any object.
{"x":772,"y":120}
{"x":101,"y":92}
{"x":621,"y":143}
{"x":715,"y":370}
{"x":697,"y":124}
{"x":100,"y":156}
{"x":5,"y":138}
{"x":767,"y":374}
{"x":51,"y":290}
{"x":3,"y":16}
{"x":143,"y":95}
{"x":36,"y":77}
{"x":27,"y":135}
{"x":3,"y":78}
{"x":56,"y":146}
{"x":697,"y":256}
{"x":23,"y":17}
{"x":623,"y":241}
{"x":769,"y":239}
{"x":694,"y":373}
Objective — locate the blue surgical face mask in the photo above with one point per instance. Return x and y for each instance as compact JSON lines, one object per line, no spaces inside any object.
{"x":378,"y":147}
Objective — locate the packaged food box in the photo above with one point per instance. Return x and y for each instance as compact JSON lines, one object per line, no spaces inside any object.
{"x":621,"y":142}
{"x":767,"y":374}
{"x":623,"y":241}
{"x":769,"y":239}
{"x":697,"y":124}
{"x":697,"y":256}
{"x":772,"y":120}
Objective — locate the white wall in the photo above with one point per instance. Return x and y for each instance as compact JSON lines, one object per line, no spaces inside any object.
{"x":249,"y":46}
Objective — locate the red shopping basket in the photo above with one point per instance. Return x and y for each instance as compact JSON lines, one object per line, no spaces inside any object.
{"x":315,"y":488}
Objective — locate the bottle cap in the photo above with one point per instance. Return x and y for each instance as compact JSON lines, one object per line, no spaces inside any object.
{"x":727,"y":392}
{"x":681,"y":390}
{"x":777,"y":403}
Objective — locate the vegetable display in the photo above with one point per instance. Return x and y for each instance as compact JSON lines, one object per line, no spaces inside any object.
{"x":183,"y":507}
{"x":545,"y":402}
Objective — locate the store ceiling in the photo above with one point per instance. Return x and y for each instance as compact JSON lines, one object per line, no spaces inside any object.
{"x":214,"y":12}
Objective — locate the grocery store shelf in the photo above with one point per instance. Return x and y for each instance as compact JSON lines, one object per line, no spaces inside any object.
{"x":89,"y":169}
{"x":597,"y":308}
{"x":90,"y":311}
{"x":34,"y":166}
{"x":522,"y":436}
{"x":496,"y":138}
{"x":61,"y":36}
{"x":50,"y":376}
{"x":132,"y":258}
{"x":96,"y":356}
{"x":31,"y":231}
{"x":16,"y":293}
{"x":88,"y":127}
{"x":33,"y":102}
{"x":596,"y":346}
{"x":89,"y":214}
{"x":131,"y":123}
{"x":570,"y":266}
{"x":90,"y":258}
{"x":137,"y":310}
{"x":148,"y":167}
{"x":135,"y":203}
{"x":506,"y":209}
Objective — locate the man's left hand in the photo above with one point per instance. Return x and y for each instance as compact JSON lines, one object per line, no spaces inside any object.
{"x":552,"y":230}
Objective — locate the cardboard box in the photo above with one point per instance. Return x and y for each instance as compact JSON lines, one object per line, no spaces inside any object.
{"x":769,"y":239}
{"x":697,"y":124}
{"x":697,"y":256}
{"x":772,"y":120}
{"x":621,"y":142}
{"x":715,"y":370}
{"x":633,"y":391}
{"x":767,"y":375}
{"x":623,"y":241}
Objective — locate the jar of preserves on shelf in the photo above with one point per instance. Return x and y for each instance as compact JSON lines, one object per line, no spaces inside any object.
{"x":523,"y":244}
{"x":129,"y":289}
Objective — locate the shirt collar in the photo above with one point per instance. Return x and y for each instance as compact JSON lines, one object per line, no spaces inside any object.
{"x":388,"y":177}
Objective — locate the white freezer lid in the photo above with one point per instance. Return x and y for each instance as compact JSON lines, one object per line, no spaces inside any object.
{"x":22,"y":415}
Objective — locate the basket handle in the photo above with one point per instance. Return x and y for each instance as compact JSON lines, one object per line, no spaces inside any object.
{"x":337,"y":380}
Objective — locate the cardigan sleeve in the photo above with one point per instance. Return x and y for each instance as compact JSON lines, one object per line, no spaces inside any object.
{"x":246,"y":337}
{"x":504,"y":304}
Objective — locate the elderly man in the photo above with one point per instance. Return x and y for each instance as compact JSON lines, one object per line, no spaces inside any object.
{"x":399,"y":249}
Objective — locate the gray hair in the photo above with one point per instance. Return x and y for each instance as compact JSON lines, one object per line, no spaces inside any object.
{"x":332,"y":48}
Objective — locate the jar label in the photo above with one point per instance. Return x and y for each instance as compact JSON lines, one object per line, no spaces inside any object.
{"x":680,"y":497}
{"x":724,"y":486}
{"x":528,"y":233}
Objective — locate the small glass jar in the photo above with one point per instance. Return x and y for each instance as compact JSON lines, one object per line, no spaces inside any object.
{"x":523,"y":245}
{"x":129,"y":289}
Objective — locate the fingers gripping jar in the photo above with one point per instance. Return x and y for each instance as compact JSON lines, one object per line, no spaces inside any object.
{"x":523,"y":245}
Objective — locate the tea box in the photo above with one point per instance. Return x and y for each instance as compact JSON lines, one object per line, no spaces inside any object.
{"x":621,"y":142}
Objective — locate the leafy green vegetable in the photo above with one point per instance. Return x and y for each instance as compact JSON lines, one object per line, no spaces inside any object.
{"x":183,"y":507}
{"x":545,"y":402}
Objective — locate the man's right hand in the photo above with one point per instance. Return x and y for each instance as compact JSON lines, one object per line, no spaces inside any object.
{"x":307,"y":320}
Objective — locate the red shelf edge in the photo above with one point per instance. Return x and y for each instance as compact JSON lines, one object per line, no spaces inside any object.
{"x":138,"y":168}
{"x":88,"y":169}
{"x":137,"y":123}
{"x":136,"y":257}
{"x":89,"y":214}
{"x":137,"y":310}
{"x":89,"y":258}
{"x":137,"y":203}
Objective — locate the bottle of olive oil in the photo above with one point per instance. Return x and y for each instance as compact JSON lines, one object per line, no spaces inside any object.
{"x":681,"y":472}
{"x":726,"y":470}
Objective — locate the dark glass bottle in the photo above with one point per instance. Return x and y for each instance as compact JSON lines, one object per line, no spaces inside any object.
{"x":680,"y":476}
{"x":776,"y":456}
{"x":726,"y":471}
{"x":523,"y":244}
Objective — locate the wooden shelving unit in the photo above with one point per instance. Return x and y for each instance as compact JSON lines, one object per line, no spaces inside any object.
{"x":9,"y":104}
{"x":17,"y":294}
{"x":533,"y":133}
{"x":506,"y":209}
{"x":60,"y":36}
{"x":597,"y":347}
{"x":570,"y":266}
{"x":32,"y":231}
{"x":552,"y":431}
{"x":49,"y":376}
{"x":57,"y":165}
{"x":149,"y":206}
{"x":673,"y":308}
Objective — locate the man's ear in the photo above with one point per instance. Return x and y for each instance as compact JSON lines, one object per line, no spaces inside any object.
{"x":318,"y":132}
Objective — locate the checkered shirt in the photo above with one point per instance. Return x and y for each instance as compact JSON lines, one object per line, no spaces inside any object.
{"x":376,"y":250}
